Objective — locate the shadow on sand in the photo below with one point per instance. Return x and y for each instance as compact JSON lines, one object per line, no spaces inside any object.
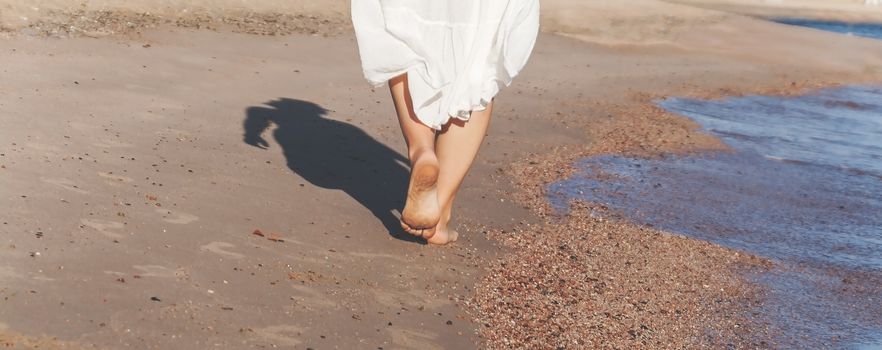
{"x":334,"y":155}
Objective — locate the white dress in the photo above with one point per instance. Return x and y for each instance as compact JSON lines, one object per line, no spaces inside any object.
{"x":458,"y":53}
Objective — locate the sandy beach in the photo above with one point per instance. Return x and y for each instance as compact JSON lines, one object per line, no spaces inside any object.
{"x":143,"y":209}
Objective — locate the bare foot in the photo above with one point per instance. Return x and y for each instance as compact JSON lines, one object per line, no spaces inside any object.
{"x":435,"y":235}
{"x":421,"y":211}
{"x":442,"y":237}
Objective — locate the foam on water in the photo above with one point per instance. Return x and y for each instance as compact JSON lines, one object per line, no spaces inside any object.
{"x":803,"y":188}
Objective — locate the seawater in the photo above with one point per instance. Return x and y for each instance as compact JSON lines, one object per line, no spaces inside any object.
{"x":802,"y":187}
{"x":869,"y":30}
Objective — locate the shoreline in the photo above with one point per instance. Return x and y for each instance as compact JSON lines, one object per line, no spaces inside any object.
{"x":533,"y":175}
{"x":730,"y":268}
{"x":615,"y":120}
{"x":845,"y":11}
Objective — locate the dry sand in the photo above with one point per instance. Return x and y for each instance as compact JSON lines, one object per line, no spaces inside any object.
{"x":133,"y":188}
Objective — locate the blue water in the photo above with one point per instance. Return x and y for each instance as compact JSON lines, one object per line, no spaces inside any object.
{"x":869,"y":30}
{"x":840,"y":128}
{"x":803,"y":187}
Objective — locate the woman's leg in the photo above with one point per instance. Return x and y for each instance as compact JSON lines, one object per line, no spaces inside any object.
{"x":421,"y":210}
{"x":456,"y":148}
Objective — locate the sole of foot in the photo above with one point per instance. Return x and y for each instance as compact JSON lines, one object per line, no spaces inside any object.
{"x":421,"y":210}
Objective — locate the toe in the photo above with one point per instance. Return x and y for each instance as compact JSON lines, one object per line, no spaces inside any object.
{"x":411,"y":230}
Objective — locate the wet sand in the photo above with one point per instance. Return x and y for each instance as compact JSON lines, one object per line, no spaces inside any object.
{"x":135,"y":178}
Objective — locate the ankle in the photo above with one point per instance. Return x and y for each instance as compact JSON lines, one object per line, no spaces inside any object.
{"x":443,"y":223}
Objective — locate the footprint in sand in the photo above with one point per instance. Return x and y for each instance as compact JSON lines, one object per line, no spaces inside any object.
{"x":281,"y":335}
{"x":176,"y":217}
{"x":312,"y":299}
{"x":220,"y":248}
{"x":115,"y":178}
{"x":104,"y":226}
{"x":159,"y":271}
{"x":411,"y":339}
{"x":66,"y":184}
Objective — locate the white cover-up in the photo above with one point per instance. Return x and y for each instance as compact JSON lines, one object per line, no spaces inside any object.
{"x":458,"y":53}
